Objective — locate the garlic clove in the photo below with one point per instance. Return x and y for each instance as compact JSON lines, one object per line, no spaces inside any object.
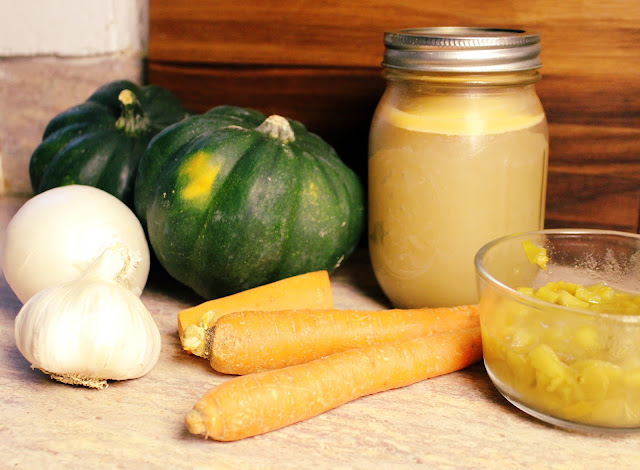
{"x":92,"y":329}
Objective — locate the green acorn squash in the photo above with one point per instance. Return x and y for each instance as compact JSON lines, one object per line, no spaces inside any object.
{"x":232,"y":200}
{"x":99,"y":142}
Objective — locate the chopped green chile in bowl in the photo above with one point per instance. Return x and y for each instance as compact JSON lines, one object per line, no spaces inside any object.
{"x":561,"y":339}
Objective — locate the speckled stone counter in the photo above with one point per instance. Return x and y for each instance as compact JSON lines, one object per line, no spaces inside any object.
{"x":450,"y":422}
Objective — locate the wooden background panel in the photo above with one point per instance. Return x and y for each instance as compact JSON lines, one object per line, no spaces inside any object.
{"x":335,"y":103}
{"x":320,"y":63}
{"x":349,"y":32}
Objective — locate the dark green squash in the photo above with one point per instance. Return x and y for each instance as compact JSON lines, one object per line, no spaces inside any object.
{"x":99,"y":142}
{"x":232,"y":200}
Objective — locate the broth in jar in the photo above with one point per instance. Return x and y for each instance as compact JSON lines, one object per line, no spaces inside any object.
{"x":454,"y":162}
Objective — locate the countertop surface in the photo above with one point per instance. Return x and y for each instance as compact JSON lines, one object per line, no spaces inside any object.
{"x":454,"y":421}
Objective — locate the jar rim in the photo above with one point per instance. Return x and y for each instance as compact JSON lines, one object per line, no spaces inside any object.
{"x":462,"y":49}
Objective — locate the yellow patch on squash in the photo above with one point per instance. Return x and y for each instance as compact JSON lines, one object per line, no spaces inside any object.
{"x":312,"y":190}
{"x":200,"y":172}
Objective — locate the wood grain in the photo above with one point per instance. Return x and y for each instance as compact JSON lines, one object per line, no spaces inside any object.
{"x":319,"y":62}
{"x":349,"y":33}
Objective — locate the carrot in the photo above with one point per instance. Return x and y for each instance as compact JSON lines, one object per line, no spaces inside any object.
{"x":309,"y":290}
{"x":253,"y":404}
{"x":247,"y":342}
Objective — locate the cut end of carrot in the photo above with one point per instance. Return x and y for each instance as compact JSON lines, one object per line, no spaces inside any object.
{"x":195,"y":423}
{"x":194,"y":340}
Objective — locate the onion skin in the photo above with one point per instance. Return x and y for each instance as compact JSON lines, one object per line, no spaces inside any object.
{"x":56,"y":235}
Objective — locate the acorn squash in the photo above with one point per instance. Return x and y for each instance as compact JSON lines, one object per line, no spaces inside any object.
{"x":99,"y":142}
{"x":232,"y":200}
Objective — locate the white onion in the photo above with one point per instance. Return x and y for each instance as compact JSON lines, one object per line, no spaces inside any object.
{"x":56,"y":235}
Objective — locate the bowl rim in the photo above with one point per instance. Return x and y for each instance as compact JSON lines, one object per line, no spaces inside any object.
{"x":539,"y":303}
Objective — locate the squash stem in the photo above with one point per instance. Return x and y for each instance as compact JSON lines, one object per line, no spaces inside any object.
{"x":133,"y":121}
{"x":277,"y":127}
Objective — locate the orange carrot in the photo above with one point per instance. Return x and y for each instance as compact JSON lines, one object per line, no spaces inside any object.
{"x":253,"y":404}
{"x":246,"y":342}
{"x":310,"y":290}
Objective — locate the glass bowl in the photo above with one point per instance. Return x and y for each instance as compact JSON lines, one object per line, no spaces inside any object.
{"x":566,"y":365}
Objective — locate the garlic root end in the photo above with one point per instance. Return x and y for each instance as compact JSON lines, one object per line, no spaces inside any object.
{"x":75,"y":379}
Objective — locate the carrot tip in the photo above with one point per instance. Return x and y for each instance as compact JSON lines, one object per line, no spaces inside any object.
{"x":195,"y":423}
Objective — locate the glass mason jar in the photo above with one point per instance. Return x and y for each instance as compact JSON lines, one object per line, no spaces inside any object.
{"x":458,"y":153}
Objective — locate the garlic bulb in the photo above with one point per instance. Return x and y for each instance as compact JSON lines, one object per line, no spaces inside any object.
{"x":91,"y":329}
{"x":57,"y":234}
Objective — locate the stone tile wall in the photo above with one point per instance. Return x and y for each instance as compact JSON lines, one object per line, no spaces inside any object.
{"x":53,"y":55}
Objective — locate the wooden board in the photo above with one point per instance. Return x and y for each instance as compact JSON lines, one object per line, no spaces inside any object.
{"x":319,"y":62}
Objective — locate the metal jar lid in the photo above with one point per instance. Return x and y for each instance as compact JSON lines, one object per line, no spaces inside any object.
{"x":462,"y":49}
